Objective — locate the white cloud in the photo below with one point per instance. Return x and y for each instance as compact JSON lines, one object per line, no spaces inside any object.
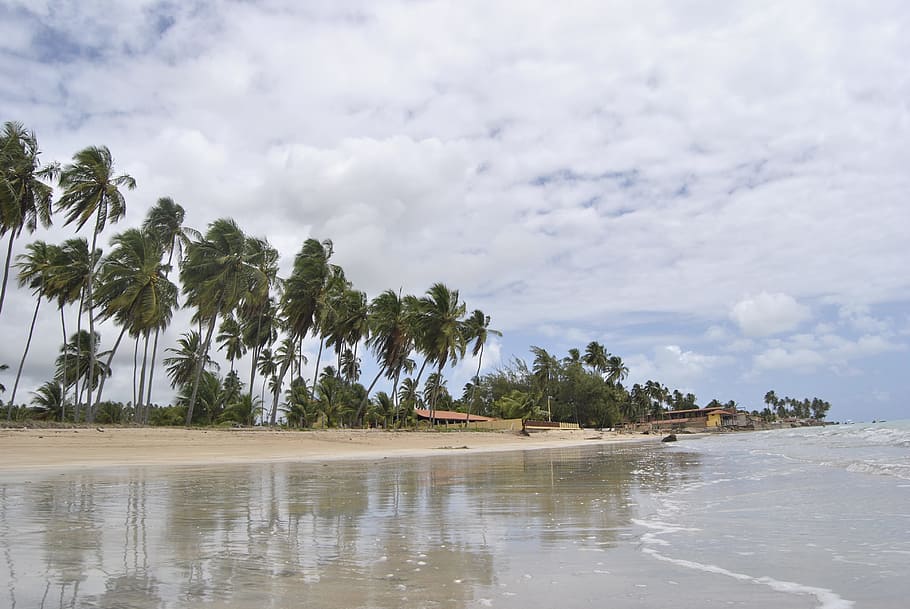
{"x":565,"y":175}
{"x":767,"y":314}
{"x":673,"y":366}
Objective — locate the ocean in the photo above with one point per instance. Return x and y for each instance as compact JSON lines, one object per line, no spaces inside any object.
{"x":802,"y":518}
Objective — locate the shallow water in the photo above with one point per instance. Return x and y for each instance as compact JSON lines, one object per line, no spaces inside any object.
{"x":619,"y":526}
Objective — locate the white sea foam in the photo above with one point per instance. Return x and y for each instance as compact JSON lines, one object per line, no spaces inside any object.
{"x":827,"y":599}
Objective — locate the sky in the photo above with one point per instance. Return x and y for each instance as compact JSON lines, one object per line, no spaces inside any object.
{"x":716,"y":191}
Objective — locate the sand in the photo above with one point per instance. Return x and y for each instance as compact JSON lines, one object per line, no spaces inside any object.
{"x":24,"y":449}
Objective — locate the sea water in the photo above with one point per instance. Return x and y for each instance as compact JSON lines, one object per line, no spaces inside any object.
{"x":814,"y":517}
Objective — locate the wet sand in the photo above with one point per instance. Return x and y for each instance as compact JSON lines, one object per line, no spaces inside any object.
{"x":112,"y":447}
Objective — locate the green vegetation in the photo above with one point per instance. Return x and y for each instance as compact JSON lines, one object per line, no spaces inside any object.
{"x":230,"y":281}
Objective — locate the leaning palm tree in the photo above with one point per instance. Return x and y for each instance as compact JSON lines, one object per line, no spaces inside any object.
{"x":305,"y":291}
{"x":35,"y":267}
{"x":25,"y":198}
{"x":596,"y":357}
{"x":92,"y":191}
{"x":165,"y":221}
{"x":440,"y":323}
{"x":74,"y":361}
{"x":68,"y":283}
{"x":217,"y":276}
{"x":390,"y":337}
{"x":181,"y":367}
{"x":477,"y":329}
{"x":133,"y":288}
{"x":617,"y":371}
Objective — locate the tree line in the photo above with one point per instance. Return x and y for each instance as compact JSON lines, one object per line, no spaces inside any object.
{"x":242,"y":307}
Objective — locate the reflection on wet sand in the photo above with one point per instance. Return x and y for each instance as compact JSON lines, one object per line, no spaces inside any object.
{"x":389,"y":533}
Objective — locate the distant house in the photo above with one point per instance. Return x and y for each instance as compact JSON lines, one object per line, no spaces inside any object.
{"x":708,"y":418}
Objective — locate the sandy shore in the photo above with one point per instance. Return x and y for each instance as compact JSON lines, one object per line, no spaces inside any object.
{"x":112,"y":447}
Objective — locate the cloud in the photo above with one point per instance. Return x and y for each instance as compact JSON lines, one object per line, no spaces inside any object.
{"x":673,"y":366}
{"x":565,"y":177}
{"x":767,"y":314}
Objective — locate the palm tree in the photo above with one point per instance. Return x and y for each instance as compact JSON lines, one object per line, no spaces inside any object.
{"x":78,"y":366}
{"x":165,"y":221}
{"x":299,"y":405}
{"x":35,"y":268}
{"x":230,"y":338}
{"x":544,"y":369}
{"x":596,"y":357}
{"x":305,"y":291}
{"x":67,"y":283}
{"x":133,"y":289}
{"x":440,"y":330}
{"x":49,"y":397}
{"x":477,"y":328}
{"x":616,"y":370}
{"x":181,"y":368}
{"x":91,"y":190}
{"x":390,"y":336}
{"x":217,"y":276}
{"x":25,"y":198}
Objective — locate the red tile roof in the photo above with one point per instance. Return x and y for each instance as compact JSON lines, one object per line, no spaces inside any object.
{"x":450,"y":415}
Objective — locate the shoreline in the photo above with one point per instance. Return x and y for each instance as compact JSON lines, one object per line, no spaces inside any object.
{"x":24,"y":450}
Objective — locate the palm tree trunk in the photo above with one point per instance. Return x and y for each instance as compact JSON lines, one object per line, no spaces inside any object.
{"x":366,"y":396}
{"x":145,"y":354}
{"x":90,"y":407}
{"x":135,"y":371}
{"x":148,"y":398}
{"x":28,"y":342}
{"x":435,"y":394}
{"x":63,"y":377}
{"x":318,"y":357}
{"x":9,"y":257}
{"x":474,"y":389}
{"x":110,"y":358}
{"x":200,"y":359}
{"x":77,"y":382}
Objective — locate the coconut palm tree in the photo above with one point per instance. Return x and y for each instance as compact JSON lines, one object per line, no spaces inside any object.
{"x":442,"y":338}
{"x":133,"y":289}
{"x":217,"y":276}
{"x":544,"y":368}
{"x":92,"y":191}
{"x":617,"y":371}
{"x":181,"y":367}
{"x":596,"y":357}
{"x":68,"y":283}
{"x":230,"y":339}
{"x":25,"y":198}
{"x":477,"y":329}
{"x":390,"y":336}
{"x":165,"y":221}
{"x":80,"y":368}
{"x":49,"y":398}
{"x":306,"y":291}
{"x":35,"y":268}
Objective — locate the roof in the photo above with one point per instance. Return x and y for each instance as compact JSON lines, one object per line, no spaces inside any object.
{"x":450,"y":415}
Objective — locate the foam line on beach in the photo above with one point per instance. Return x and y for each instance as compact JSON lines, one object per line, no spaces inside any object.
{"x":827,"y":599}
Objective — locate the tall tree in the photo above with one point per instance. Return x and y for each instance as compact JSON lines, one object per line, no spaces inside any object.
{"x":25,"y":198}
{"x":92,"y":191}
{"x":544,"y":367}
{"x":596,"y":357}
{"x":477,"y":329}
{"x":390,"y":336}
{"x":617,"y":371}
{"x":35,"y":268}
{"x":133,"y":289}
{"x":165,"y":221}
{"x":443,"y":338}
{"x":217,"y":276}
{"x":306,"y":290}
